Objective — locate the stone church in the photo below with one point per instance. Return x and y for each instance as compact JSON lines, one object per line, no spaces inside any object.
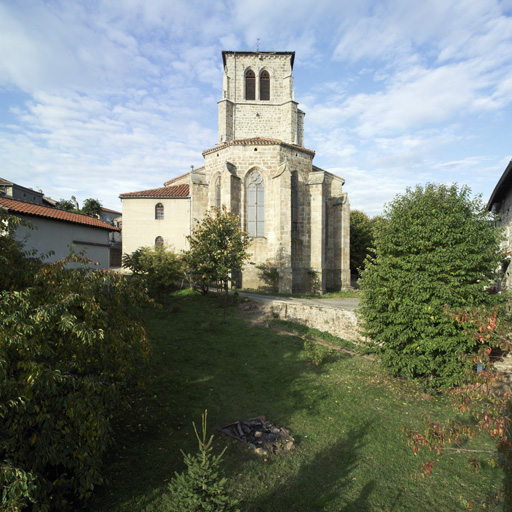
{"x":296,"y":214}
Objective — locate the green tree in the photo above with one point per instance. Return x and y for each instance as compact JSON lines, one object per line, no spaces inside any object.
{"x":17,"y":265}
{"x":201,"y":487}
{"x":65,"y":204}
{"x":160,"y":267}
{"x":92,"y":207}
{"x":436,"y":252}
{"x":71,"y":342}
{"x":361,"y":239}
{"x":218,"y":247}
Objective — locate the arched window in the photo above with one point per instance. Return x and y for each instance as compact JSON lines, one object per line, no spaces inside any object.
{"x":264,"y":86}
{"x":250,"y":85}
{"x":255,"y":205}
{"x":159,"y":242}
{"x":217,"y":192}
{"x":159,"y":211}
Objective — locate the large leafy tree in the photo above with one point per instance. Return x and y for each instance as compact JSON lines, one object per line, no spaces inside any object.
{"x":362,"y":229}
{"x":71,"y":340}
{"x":92,"y":207}
{"x":437,"y":252}
{"x":218,"y":247}
{"x":66,"y":204}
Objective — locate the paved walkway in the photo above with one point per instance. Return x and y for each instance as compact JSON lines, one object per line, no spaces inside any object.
{"x":346,"y":304}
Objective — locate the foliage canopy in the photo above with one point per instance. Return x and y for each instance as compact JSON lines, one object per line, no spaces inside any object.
{"x":92,"y":207}
{"x":361,"y":238}
{"x":437,"y":251}
{"x":160,"y":267}
{"x":72,"y":340}
{"x":218,"y":247}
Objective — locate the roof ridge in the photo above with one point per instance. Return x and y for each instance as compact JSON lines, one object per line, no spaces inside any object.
{"x":183,"y":189}
{"x":257,"y":140}
{"x":36,"y":210}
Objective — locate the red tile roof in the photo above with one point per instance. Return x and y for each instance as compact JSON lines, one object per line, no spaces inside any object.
{"x":110,"y":211}
{"x":36,"y":210}
{"x":257,"y":141}
{"x":175,"y":191}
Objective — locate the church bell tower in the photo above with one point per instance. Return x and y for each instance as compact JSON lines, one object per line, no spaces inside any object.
{"x":258,"y":98}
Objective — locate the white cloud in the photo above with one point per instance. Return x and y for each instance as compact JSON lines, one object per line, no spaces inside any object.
{"x":122,"y":96}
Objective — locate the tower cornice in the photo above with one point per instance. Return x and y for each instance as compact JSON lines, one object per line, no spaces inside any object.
{"x":230,"y":52}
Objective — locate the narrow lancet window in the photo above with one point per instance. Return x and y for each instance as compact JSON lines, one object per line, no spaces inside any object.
{"x":256,"y":205}
{"x":218,"y":192}
{"x":264,"y":86}
{"x":159,"y":211}
{"x":159,"y":242}
{"x":250,"y":85}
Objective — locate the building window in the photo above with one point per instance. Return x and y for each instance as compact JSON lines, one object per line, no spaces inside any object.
{"x":256,"y":206}
{"x":159,"y":242}
{"x":295,"y":205}
{"x":217,"y":192}
{"x":250,"y":85}
{"x":264,"y":86}
{"x":159,"y":211}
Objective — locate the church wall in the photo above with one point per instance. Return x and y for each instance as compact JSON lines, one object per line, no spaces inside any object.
{"x":226,"y":109}
{"x":268,"y":121}
{"x":140,"y":228}
{"x":180,"y":180}
{"x":277,"y":247}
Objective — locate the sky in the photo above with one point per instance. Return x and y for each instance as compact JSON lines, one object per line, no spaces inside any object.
{"x":102,"y":97}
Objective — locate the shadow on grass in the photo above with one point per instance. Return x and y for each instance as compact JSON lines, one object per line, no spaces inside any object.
{"x":325,"y":483}
{"x":234,"y":371}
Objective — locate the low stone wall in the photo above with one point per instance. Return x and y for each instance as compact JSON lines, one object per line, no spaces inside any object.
{"x":338,"y":322}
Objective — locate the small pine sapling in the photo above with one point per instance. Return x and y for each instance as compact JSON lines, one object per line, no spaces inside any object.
{"x":201,"y":487}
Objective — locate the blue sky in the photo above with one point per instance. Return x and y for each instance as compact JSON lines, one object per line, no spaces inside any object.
{"x":98,"y":98}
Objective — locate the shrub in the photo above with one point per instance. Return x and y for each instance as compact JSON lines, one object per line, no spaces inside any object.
{"x":269,"y":274}
{"x":436,"y":251}
{"x":71,"y":343}
{"x":314,"y":281}
{"x":316,"y":352}
{"x":161,"y":268}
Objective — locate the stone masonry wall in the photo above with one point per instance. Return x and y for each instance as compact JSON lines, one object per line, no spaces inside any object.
{"x":277,"y":117}
{"x":338,"y":322}
{"x":275,"y":162}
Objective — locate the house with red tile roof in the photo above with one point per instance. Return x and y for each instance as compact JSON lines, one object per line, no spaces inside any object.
{"x":54,"y":232}
{"x":296,"y":214}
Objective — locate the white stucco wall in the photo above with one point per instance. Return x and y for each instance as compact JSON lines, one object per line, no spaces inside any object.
{"x":140,"y":228}
{"x":57,"y":236}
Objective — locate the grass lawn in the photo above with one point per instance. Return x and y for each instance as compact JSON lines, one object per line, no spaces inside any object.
{"x":346,"y":418}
